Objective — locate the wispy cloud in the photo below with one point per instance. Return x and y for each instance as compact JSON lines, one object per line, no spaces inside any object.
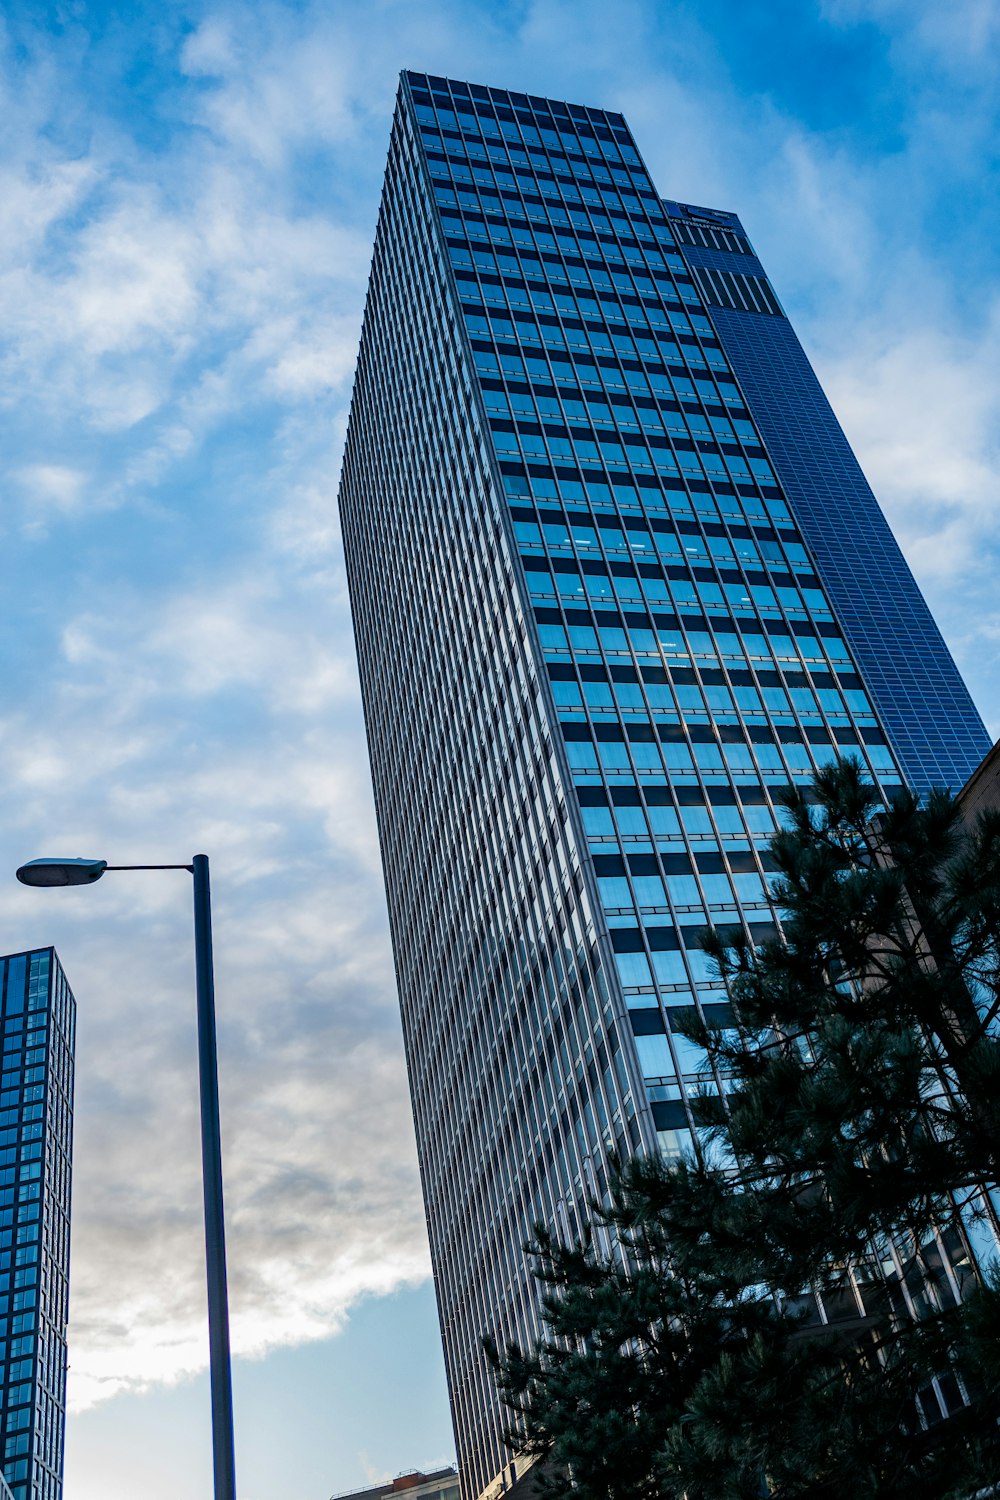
{"x":181,"y":328}
{"x":964,"y":35}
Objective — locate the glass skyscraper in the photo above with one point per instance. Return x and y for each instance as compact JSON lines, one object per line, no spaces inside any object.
{"x":36,"y":1140}
{"x":616,"y":578}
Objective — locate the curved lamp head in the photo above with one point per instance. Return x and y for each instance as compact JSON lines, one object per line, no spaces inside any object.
{"x":49,"y":872}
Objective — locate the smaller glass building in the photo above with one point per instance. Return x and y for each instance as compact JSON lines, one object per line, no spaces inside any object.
{"x":37,"y":1031}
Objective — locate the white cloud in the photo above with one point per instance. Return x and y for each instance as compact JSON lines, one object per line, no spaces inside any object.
{"x":148,"y":296}
{"x":962,"y":34}
{"x":277,"y":82}
{"x":52,"y":487}
{"x":922,"y":408}
{"x":321,"y":1178}
{"x":198,"y":690}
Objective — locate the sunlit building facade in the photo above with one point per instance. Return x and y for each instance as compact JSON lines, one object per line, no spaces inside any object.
{"x":616,"y":578}
{"x":441,"y":1484}
{"x":37,"y":1029}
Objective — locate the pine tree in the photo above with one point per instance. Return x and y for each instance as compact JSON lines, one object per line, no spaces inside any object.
{"x":862,"y":1122}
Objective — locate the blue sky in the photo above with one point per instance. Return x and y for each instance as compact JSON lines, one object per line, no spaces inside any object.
{"x":189,"y":198}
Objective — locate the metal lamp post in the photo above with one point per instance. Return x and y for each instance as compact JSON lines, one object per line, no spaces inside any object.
{"x":61,"y":872}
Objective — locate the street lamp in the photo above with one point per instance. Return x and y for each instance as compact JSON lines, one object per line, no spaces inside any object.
{"x":61,"y":872}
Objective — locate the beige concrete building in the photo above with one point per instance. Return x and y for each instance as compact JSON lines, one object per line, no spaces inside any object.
{"x":442,"y":1484}
{"x":982,"y":790}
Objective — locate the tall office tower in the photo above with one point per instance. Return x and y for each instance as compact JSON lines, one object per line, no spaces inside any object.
{"x":36,"y":1138}
{"x":616,"y":578}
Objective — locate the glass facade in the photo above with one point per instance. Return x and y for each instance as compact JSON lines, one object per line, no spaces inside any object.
{"x":36,"y":1141}
{"x":604,"y":609}
{"x":923,"y":704}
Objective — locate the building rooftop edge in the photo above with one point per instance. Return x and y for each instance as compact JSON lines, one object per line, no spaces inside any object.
{"x":392,"y":1486}
{"x":517,"y":96}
